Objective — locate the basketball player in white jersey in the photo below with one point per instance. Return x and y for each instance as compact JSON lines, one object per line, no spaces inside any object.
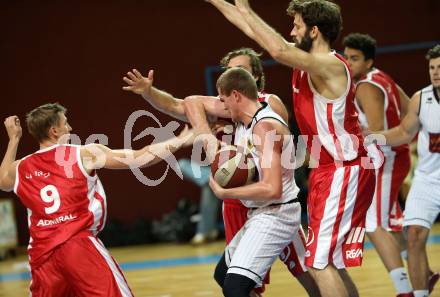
{"x":274,"y":211}
{"x":423,"y":202}
{"x":380,"y":103}
{"x":234,"y":212}
{"x":342,"y":187}
{"x":66,"y":203}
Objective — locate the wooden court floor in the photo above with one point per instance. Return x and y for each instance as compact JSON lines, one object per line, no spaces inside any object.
{"x":170,"y":270}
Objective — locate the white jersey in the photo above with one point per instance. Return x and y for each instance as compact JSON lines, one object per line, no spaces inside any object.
{"x":244,"y":138}
{"x":428,"y":146}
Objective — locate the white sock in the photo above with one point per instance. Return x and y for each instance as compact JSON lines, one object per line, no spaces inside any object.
{"x":400,"y":280}
{"x":421,"y":293}
{"x":404,"y":255}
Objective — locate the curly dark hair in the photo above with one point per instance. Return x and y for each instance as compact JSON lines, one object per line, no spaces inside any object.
{"x":363,"y":42}
{"x":324,"y":14}
{"x":257,"y":67}
{"x":433,"y":53}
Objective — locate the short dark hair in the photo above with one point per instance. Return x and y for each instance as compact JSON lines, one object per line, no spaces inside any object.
{"x":40,"y":120}
{"x":433,"y":53}
{"x":324,"y":14}
{"x":257,"y":67}
{"x":363,"y":42}
{"x":237,"y":79}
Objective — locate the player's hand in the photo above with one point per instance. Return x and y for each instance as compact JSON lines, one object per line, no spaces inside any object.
{"x":13,"y":127}
{"x":216,"y":188}
{"x":137,"y":83}
{"x":222,"y":127}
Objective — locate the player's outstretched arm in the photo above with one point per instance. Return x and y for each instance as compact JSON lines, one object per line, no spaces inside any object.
{"x":405,"y":132}
{"x":97,"y":156}
{"x":285,"y":52}
{"x":198,"y":108}
{"x":9,"y":164}
{"x":160,"y":100}
{"x":269,"y":143}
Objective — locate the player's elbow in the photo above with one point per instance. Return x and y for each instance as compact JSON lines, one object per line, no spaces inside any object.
{"x":406,"y":137}
{"x":278,"y":52}
{"x":273,"y":191}
{"x":192,"y":100}
{"x":4,"y":186}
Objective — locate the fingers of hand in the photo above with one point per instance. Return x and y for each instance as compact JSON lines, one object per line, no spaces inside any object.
{"x":128,"y":81}
{"x":137,"y":73}
{"x":132,"y":76}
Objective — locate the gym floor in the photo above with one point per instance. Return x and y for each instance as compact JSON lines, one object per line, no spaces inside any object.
{"x":170,"y":270}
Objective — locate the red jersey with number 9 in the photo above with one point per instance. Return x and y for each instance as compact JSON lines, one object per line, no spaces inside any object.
{"x":62,"y":200}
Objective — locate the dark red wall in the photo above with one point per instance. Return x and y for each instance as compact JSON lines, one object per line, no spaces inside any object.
{"x":76,"y":52}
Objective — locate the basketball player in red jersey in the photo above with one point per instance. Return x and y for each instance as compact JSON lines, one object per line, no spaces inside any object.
{"x":381,"y":104}
{"x":66,"y":203}
{"x":234,"y":212}
{"x":423,"y":203}
{"x":323,"y":93}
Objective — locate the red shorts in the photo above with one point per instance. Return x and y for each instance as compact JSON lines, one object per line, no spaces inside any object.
{"x":81,"y":267}
{"x":385,"y":209}
{"x":338,"y":202}
{"x":293,"y":254}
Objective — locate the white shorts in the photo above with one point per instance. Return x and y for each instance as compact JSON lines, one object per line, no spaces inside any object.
{"x":423,"y":203}
{"x":262,"y":239}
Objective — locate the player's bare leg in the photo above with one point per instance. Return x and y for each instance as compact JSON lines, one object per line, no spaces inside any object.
{"x":417,"y":257}
{"x":329,"y":281}
{"x":400,"y":238}
{"x":349,"y":284}
{"x":309,"y":284}
{"x":389,"y":250}
{"x":433,"y":276}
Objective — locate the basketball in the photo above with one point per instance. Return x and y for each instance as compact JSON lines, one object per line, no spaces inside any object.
{"x":233,"y":168}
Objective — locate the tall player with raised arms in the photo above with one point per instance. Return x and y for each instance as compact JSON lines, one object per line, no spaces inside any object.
{"x":323,"y":94}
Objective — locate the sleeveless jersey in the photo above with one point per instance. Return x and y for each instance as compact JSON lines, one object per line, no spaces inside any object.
{"x":62,"y":200}
{"x":262,"y":97}
{"x":330,"y":124}
{"x":392,"y":104}
{"x":244,"y":138}
{"x":428,"y":145}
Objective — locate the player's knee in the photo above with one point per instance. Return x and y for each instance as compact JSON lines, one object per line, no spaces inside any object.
{"x":237,"y":285}
{"x":220,"y":271}
{"x":416,"y":236}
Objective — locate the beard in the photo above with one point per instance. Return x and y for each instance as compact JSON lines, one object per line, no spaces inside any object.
{"x":306,"y":42}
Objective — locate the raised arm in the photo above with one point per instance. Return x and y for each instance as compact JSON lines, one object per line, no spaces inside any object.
{"x":286,"y":53}
{"x":270,"y":186}
{"x":97,"y":156}
{"x":9,"y":164}
{"x":160,"y":100}
{"x":405,"y":132}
